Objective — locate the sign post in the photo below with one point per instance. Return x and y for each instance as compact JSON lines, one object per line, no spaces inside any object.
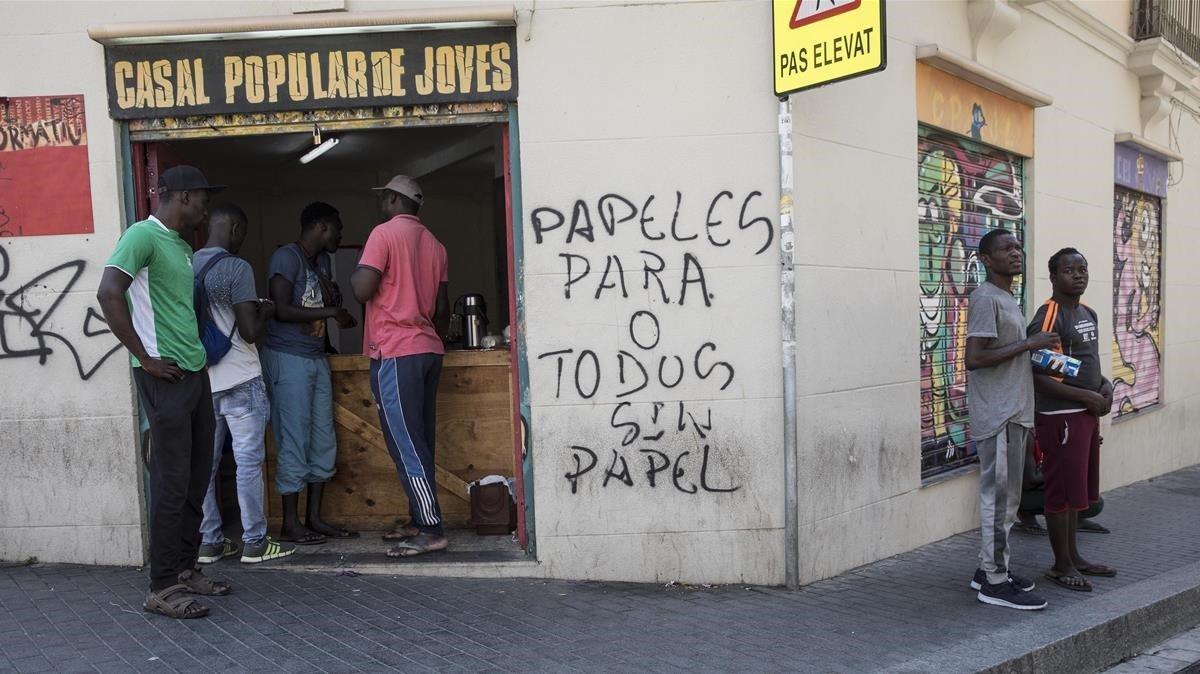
{"x":816,"y":42}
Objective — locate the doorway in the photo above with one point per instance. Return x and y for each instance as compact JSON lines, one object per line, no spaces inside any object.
{"x":463,"y":169}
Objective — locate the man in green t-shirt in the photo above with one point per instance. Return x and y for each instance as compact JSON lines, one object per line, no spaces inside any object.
{"x":146,"y":295}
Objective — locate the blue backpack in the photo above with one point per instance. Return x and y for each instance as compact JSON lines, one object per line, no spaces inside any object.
{"x":216,"y":342}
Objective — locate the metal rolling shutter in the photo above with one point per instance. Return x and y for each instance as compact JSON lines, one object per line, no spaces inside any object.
{"x":1137,"y":291}
{"x":964,"y":189}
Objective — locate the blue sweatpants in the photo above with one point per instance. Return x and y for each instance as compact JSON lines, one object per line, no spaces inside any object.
{"x":405,"y":390}
{"x":301,"y":395}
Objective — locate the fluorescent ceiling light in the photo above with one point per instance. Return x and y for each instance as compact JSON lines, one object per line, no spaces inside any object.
{"x":319,"y":150}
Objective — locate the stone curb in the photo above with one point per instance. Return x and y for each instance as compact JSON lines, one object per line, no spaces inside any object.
{"x":1118,"y":625}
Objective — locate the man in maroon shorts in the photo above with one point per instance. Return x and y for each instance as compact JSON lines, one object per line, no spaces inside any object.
{"x":1068,"y":419}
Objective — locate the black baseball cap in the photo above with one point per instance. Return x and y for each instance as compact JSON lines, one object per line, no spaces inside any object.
{"x":183,"y":178}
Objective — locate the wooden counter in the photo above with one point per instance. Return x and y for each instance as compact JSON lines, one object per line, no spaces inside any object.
{"x":474,"y":439}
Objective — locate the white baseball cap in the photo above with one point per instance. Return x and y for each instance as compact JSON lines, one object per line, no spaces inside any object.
{"x":402,"y":184}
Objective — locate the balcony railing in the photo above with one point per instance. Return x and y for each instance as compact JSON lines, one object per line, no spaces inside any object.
{"x":1178,"y":21}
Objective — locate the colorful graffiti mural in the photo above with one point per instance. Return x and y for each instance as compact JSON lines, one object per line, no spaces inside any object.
{"x":1137,"y":290}
{"x":965,"y":189}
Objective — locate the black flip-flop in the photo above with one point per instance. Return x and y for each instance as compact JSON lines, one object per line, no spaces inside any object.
{"x":339,"y":531}
{"x":310,"y":538}
{"x":1057,"y":579}
{"x":1092,"y":528}
{"x":1034,"y":529}
{"x":1098,"y":570}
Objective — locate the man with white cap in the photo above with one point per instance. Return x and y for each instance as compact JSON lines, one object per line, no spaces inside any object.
{"x":401,"y":279}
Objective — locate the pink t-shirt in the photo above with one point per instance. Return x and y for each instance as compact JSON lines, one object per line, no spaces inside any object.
{"x":412,"y":262}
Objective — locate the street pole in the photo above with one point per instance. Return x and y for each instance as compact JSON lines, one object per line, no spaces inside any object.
{"x":787,"y":288}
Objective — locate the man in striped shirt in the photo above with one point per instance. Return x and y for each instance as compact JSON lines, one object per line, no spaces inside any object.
{"x":146,"y":295}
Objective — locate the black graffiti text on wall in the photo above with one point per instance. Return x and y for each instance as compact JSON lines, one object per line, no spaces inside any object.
{"x":667,"y":446}
{"x":27,"y":318}
{"x":60,"y":125}
{"x":583,"y":373}
{"x":648,"y":252}
{"x":675,"y":276}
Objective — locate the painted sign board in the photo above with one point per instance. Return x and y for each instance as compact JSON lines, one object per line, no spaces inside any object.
{"x":45,"y":184}
{"x":363,"y":70}
{"x":819,"y":42}
{"x":966,"y":109}
{"x":1139,"y":170}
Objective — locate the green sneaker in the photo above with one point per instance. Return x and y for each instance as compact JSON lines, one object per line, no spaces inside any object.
{"x":214,"y":552}
{"x":266,"y":550}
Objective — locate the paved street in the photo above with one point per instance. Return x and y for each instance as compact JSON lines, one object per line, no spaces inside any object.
{"x":1178,"y":654}
{"x":908,"y":613}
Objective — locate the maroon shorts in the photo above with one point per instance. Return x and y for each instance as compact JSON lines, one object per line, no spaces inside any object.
{"x":1070,"y":445}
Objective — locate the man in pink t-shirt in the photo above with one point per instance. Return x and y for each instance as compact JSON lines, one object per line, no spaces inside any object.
{"x":401,"y":278}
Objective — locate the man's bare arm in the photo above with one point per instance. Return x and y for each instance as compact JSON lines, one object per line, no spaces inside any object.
{"x":251,"y":319}
{"x":1049,"y":386}
{"x":980,"y":355}
{"x":364,"y":282}
{"x":441,"y":314}
{"x":285,"y":311}
{"x":111,"y":296}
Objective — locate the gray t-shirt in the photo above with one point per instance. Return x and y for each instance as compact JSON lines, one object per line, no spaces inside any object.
{"x":1002,"y":393}
{"x":299,"y":339}
{"x":229,"y":282}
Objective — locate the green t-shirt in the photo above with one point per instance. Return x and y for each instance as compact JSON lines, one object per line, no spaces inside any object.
{"x":160,"y":297}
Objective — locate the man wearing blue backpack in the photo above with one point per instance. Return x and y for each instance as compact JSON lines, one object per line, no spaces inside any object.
{"x":232,"y":319}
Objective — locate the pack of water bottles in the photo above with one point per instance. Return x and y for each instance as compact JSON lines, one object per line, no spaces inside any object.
{"x":1056,"y":362}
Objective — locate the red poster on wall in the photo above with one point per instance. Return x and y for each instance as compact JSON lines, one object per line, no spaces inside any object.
{"x":45,"y":186}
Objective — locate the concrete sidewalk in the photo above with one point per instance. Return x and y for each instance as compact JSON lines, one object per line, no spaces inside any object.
{"x":912,"y":612}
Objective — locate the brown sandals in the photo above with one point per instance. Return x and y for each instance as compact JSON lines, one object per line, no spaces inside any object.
{"x":198,"y":583}
{"x":174,"y":602}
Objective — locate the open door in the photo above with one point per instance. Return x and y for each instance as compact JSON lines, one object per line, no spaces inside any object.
{"x":149,"y":161}
{"x":519,"y":430}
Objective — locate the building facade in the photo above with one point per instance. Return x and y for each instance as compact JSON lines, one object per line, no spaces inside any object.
{"x":643,"y":155}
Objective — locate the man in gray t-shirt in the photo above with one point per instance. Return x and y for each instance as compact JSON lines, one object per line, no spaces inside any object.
{"x":239,"y":395}
{"x":1000,"y":399}
{"x":297,"y":374}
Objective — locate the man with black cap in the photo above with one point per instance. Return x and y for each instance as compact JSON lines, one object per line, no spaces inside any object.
{"x":401,"y":278}
{"x":146,"y":294}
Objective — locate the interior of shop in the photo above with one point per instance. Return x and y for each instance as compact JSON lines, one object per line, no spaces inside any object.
{"x":458,"y":167}
{"x":461,"y":171}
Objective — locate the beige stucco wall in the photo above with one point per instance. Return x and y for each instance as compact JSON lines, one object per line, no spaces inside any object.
{"x":859,"y":431}
{"x":69,"y":448}
{"x":1117,"y":14}
{"x":648,"y":113}
{"x":611,"y":103}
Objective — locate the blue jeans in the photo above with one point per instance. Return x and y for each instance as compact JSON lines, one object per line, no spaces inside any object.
{"x":405,"y":390}
{"x":301,"y":419}
{"x":242,"y":409}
